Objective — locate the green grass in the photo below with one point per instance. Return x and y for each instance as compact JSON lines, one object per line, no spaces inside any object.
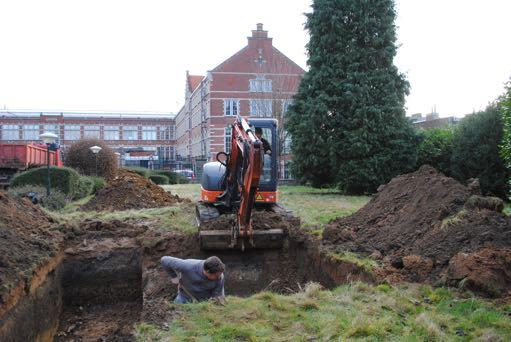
{"x":367,"y":264}
{"x":351,"y":312}
{"x":315,"y":207}
{"x":178,"y":218}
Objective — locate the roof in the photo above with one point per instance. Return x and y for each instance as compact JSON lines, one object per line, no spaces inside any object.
{"x":194,"y":81}
{"x":121,"y":115}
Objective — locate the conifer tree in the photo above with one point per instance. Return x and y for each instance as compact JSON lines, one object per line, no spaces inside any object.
{"x":347,"y":121}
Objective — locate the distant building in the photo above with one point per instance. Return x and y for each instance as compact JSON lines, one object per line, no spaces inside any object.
{"x":433,"y":120}
{"x":145,"y":139}
{"x":257,"y":81}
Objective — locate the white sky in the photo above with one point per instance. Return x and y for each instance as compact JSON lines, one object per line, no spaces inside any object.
{"x":127,"y":55}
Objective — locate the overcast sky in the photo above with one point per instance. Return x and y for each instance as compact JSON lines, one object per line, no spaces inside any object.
{"x":132,"y":55}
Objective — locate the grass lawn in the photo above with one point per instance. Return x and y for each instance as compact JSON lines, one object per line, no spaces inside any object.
{"x":316,"y":207}
{"x":350,"y":312}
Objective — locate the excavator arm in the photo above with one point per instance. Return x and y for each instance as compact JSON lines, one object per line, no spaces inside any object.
{"x":243,"y":170}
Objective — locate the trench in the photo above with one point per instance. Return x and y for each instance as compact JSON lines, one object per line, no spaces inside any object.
{"x":99,"y":292}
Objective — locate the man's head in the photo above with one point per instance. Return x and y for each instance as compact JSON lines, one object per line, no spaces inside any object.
{"x":258,"y":132}
{"x":213,"y":268}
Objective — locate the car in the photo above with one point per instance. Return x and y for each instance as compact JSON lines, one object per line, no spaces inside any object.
{"x":186,"y":173}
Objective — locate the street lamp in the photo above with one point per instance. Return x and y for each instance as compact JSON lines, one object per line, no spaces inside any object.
{"x":48,"y":138}
{"x":118,"y":158}
{"x":95,"y":150}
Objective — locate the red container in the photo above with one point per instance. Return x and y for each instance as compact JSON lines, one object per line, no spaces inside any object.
{"x":24,"y":156}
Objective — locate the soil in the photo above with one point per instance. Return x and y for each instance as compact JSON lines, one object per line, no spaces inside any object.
{"x":128,"y":190}
{"x":487,"y":270}
{"x":417,"y":223}
{"x":26,"y":242}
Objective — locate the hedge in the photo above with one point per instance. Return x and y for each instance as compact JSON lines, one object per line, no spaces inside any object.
{"x":98,"y":183}
{"x":84,"y":188}
{"x":174,"y":178}
{"x":139,"y":170}
{"x":64,"y":179}
{"x":159,"y":179}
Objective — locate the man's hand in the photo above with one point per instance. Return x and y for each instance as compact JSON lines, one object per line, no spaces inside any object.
{"x":174,"y":280}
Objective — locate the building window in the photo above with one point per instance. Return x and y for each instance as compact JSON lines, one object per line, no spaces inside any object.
{"x":111,"y":132}
{"x":72,"y":132}
{"x":167,"y":132}
{"x":260,"y":84}
{"x":91,"y":132}
{"x":261,"y":108}
{"x":55,"y":129}
{"x":31,"y":132}
{"x":286,"y":149}
{"x":231,"y":107}
{"x":130,"y":132}
{"x":287,"y":170}
{"x":148,"y":132}
{"x":10,"y":132}
{"x":228,"y":137}
{"x":285,"y":105}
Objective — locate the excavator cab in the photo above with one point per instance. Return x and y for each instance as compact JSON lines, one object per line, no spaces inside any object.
{"x":238,"y":182}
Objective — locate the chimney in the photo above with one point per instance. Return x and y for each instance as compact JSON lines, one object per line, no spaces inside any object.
{"x":259,"y":33}
{"x":259,"y":37}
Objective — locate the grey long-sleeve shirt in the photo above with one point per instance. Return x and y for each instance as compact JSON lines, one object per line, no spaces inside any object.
{"x":193,"y":278}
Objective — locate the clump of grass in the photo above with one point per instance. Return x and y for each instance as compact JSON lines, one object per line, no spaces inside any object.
{"x":454,"y":219}
{"x":352,"y":311}
{"x":367,"y":264}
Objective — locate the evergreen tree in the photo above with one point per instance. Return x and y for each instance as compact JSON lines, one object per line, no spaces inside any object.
{"x":475,"y":152}
{"x":348,"y":122}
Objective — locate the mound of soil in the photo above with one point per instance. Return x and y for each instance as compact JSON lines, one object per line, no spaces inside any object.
{"x":92,"y":229}
{"x":487,"y":270}
{"x":26,"y":242}
{"x":261,"y":220}
{"x":418,"y":222}
{"x":129,"y":190}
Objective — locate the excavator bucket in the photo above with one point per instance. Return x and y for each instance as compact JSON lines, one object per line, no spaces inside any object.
{"x":221,"y":240}
{"x":215,"y":232}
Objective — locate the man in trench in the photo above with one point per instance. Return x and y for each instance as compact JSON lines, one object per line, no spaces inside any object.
{"x":197,"y":280}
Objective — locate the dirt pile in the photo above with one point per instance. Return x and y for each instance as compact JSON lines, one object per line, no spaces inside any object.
{"x":261,"y":220}
{"x":129,"y":190}
{"x":418,"y":222}
{"x":26,"y":242}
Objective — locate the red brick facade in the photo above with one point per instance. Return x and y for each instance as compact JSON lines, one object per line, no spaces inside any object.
{"x":257,"y":81}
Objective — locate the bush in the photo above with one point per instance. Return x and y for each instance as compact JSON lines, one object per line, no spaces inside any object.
{"x":475,"y":153}
{"x":159,"y":179}
{"x":80,"y":157}
{"x":64,"y":179}
{"x":56,"y":201}
{"x":142,"y":171}
{"x":84,"y":188}
{"x":174,"y":177}
{"x":435,"y":149}
{"x":98,"y":183}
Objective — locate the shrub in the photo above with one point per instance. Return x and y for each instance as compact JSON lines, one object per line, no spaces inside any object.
{"x":139,"y":170}
{"x":56,"y":201}
{"x":174,"y":177}
{"x":80,"y":157}
{"x":83,"y":188}
{"x":64,"y":179}
{"x":475,"y":154}
{"x":435,"y":149}
{"x":159,"y":179}
{"x":98,"y":183}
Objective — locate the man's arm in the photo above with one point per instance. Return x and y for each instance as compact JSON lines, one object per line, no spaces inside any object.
{"x":218,"y":291}
{"x":173,"y":265}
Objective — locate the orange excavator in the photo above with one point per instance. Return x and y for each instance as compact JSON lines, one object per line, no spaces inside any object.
{"x":238,"y":182}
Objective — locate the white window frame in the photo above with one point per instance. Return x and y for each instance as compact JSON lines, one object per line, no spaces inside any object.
{"x":261,"y":108}
{"x":72,"y":132}
{"x":227,"y":139}
{"x":260,"y":85}
{"x":130,"y":129}
{"x":91,"y":132}
{"x":55,"y":129}
{"x":13,"y":132}
{"x":148,"y":132}
{"x":285,"y":105}
{"x":111,"y":133}
{"x":30,"y":132}
{"x":231,"y":107}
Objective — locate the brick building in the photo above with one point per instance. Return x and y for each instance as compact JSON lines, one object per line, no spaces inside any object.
{"x":145,"y":139}
{"x":257,"y":81}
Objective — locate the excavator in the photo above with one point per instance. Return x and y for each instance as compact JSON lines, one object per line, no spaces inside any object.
{"x":238,"y":182}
